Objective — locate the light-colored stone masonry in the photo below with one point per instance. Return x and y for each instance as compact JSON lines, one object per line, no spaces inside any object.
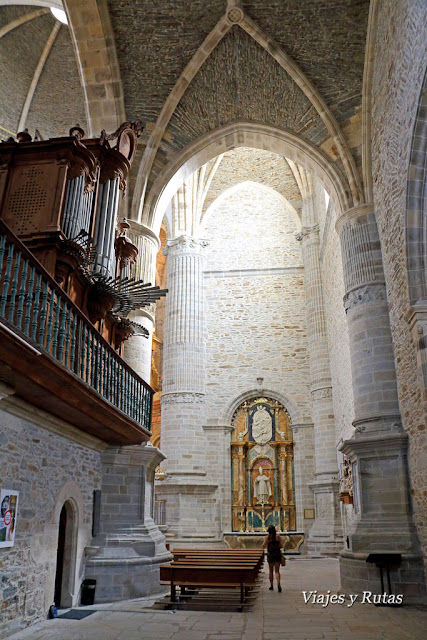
{"x":400,"y":62}
{"x":255,"y":325}
{"x":46,"y":469}
{"x":255,"y":318}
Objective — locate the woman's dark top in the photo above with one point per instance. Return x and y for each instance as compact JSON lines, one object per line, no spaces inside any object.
{"x":273,"y":551}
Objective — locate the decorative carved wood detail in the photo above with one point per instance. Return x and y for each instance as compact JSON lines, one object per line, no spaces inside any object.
{"x":262,"y":439}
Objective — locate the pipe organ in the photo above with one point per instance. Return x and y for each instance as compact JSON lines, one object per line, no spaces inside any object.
{"x":61,"y":198}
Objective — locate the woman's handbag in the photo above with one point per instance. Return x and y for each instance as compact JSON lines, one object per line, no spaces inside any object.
{"x":282,"y":561}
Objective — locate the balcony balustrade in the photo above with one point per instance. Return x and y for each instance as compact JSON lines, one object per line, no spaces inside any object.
{"x":39,"y":313}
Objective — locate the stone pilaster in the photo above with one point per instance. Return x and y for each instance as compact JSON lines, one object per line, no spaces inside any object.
{"x":378,"y":448}
{"x":137,"y":350}
{"x":190,"y":509}
{"x":326,"y":533}
{"x":126,"y":552}
{"x":303,"y":439}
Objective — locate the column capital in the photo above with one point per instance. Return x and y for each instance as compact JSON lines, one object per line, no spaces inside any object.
{"x":362,"y":210}
{"x":185,"y":244}
{"x":186,"y":397}
{"x":308,"y":233}
{"x":144,"y":231}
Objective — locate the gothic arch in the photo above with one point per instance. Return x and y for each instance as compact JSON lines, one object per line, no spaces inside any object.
{"x":236,"y":187}
{"x":416,"y":207}
{"x":242,"y":134}
{"x":34,"y":3}
{"x":99,"y":74}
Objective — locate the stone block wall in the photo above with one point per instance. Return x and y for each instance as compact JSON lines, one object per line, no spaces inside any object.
{"x":400,"y":63}
{"x":255,"y":301}
{"x":256,"y":323}
{"x":46,"y":469}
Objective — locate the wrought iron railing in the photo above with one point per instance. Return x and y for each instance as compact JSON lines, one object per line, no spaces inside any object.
{"x":34,"y":305}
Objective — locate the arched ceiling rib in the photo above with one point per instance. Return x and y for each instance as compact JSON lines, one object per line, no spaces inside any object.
{"x":243,"y":164}
{"x":346,"y":20}
{"x":161,"y":62}
{"x":40,"y":86}
{"x":243,"y":134}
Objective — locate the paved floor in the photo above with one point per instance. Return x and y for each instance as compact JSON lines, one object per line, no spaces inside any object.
{"x":276,"y":616}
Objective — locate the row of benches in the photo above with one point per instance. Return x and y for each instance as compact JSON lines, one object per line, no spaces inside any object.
{"x":195,"y":569}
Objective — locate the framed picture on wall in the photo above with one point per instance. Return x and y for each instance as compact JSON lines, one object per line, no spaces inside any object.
{"x":8,"y":516}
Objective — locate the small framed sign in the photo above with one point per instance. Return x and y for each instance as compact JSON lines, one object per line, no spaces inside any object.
{"x":8,"y":516}
{"x":308,"y":514}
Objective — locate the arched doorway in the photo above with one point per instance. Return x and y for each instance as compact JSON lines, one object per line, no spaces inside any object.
{"x":262,"y":467}
{"x":65,"y":556}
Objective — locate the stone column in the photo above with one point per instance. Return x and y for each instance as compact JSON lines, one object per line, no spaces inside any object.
{"x":189,"y":509}
{"x":378,"y":449}
{"x":326,"y":533}
{"x":128,"y":547}
{"x":137,"y":350}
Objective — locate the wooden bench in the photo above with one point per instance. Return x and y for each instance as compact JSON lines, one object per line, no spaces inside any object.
{"x":224,"y":569}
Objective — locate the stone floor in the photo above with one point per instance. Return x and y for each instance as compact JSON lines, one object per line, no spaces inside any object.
{"x":276,"y":616}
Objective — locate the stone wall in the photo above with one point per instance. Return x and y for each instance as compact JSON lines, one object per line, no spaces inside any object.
{"x":46,"y":469}
{"x":256,"y":322}
{"x":400,"y":62}
{"x":255,"y":300}
{"x":58,"y":93}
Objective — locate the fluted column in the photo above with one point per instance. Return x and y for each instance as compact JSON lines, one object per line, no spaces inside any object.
{"x":189,"y":510}
{"x":326,"y":533}
{"x":372,"y":359}
{"x":137,"y":350}
{"x":378,"y":449}
{"x":184,"y":357}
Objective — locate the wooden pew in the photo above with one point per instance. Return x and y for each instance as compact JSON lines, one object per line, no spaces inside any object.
{"x":214,"y":568}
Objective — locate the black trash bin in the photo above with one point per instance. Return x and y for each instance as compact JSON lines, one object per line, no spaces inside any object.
{"x":88,"y":592}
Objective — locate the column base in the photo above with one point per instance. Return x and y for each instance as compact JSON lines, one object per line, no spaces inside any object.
{"x":325,"y":536}
{"x":192,"y":509}
{"x":125,"y":563}
{"x":381,"y":494}
{"x":363,"y":578}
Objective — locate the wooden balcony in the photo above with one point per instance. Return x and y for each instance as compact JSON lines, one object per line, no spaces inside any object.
{"x":55,"y":358}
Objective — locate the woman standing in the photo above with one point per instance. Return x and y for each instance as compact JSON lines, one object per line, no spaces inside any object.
{"x":273,"y":543}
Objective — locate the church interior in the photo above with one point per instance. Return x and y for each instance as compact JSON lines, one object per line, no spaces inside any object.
{"x":213,"y":292}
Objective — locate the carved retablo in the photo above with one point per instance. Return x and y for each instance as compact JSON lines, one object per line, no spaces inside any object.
{"x":262,"y":463}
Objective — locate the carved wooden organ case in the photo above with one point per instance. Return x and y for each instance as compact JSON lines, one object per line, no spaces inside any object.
{"x":61,"y":197}
{"x":262,"y":467}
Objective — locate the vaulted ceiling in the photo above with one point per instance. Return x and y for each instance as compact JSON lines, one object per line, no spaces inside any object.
{"x":188,"y":68}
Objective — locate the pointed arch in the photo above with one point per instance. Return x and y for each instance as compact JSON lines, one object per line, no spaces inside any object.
{"x":236,"y":187}
{"x":416,"y":209}
{"x":243,"y":134}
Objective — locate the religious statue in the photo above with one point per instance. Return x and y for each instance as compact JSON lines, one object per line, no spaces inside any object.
{"x":262,"y":487}
{"x":262,"y":426}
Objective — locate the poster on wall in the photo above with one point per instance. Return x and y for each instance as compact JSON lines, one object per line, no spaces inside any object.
{"x":8,"y":516}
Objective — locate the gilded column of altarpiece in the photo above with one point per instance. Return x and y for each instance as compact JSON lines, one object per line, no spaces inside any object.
{"x":262,"y":467}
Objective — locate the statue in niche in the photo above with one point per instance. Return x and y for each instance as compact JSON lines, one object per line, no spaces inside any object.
{"x":262,"y":426}
{"x":262,"y":488}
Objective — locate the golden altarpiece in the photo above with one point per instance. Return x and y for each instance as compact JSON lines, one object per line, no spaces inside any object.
{"x":262,"y":467}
